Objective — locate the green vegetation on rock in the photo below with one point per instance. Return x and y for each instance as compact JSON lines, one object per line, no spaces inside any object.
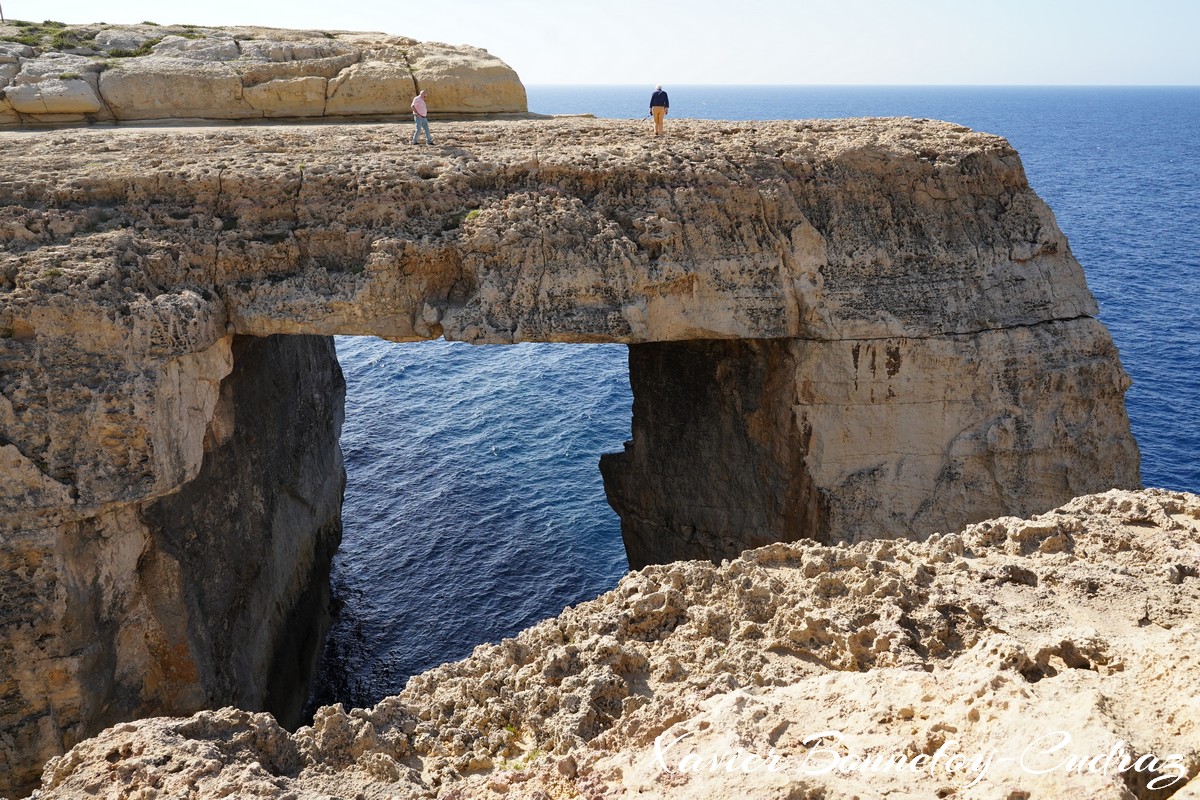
{"x":67,"y":39}
{"x":33,"y":38}
{"x":144,"y":50}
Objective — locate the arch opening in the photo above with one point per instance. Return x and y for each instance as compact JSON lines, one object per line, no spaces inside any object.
{"x":474,"y":507}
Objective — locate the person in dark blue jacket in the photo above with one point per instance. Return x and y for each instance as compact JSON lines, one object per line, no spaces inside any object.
{"x":658,"y":108}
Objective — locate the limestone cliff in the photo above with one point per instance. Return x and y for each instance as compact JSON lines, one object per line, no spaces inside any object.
{"x":935,"y":302}
{"x":838,"y":330}
{"x":841,"y":433}
{"x":55,"y":73}
{"x":212,"y":595}
{"x":990,"y":640}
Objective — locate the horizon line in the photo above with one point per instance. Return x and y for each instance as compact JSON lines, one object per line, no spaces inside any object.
{"x":891,"y":85}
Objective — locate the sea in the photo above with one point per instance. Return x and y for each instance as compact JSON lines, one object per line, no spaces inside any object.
{"x":474,"y":506}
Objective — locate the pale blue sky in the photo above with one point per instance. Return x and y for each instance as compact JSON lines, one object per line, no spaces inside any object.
{"x":748,"y":41}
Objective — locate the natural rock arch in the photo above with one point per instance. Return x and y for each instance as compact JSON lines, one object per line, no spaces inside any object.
{"x":838,"y":330}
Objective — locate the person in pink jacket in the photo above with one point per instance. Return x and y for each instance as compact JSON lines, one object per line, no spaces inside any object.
{"x":421,"y":117}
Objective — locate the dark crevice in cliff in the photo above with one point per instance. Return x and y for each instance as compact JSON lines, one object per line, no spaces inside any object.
{"x":261,"y":521}
{"x":411,"y":72}
{"x":104,"y":102}
{"x":216,"y":214}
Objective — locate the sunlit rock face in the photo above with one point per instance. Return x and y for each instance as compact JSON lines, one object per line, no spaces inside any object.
{"x":740,"y":443}
{"x":108,"y":73}
{"x":838,"y":330}
{"x":1042,"y":642}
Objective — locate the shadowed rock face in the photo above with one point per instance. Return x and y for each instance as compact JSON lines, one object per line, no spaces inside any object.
{"x":838,"y":330}
{"x":717,"y":460}
{"x":261,"y":521}
{"x":215,"y":594}
{"x":740,"y":443}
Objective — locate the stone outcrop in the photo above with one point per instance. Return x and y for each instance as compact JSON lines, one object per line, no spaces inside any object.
{"x":985,"y":643}
{"x":52,"y":73}
{"x":838,"y":330}
{"x":841,"y":432}
{"x":214,"y":594}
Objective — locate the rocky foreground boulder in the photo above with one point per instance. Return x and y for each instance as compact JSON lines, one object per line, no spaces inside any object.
{"x":1051,"y":657}
{"x":55,"y":73}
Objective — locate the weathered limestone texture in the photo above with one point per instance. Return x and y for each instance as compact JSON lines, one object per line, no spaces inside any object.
{"x":1082,"y":620}
{"x":839,"y":330}
{"x":215,"y":594}
{"x":103,"y":73}
{"x":263,"y":519}
{"x":862,"y":439}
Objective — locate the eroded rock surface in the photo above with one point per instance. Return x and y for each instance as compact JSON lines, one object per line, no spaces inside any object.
{"x":944,"y":326}
{"x":213,"y":594}
{"x":52,"y":73}
{"x":1081,"y":620}
{"x":841,"y":434}
{"x":839,"y":330}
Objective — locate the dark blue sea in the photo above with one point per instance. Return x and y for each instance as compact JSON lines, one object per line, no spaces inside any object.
{"x":474,"y":505}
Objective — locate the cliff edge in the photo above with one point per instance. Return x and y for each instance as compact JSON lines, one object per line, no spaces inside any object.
{"x":1044,"y":657}
{"x":52,"y":73}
